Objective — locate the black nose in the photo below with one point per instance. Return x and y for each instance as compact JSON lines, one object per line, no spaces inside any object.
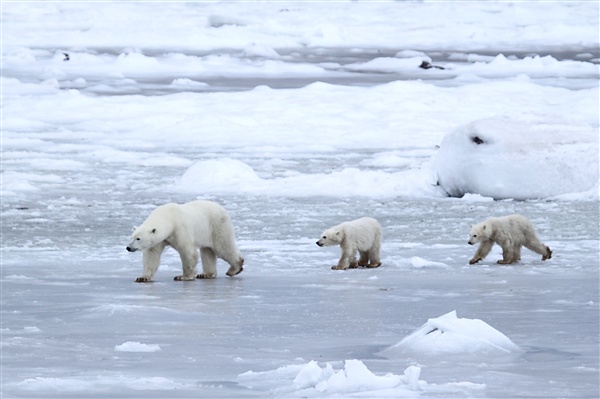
{"x":319,"y":244}
{"x":129,"y":249}
{"x":470,"y":243}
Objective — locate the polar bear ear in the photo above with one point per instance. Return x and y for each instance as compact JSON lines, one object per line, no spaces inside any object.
{"x":338,"y":233}
{"x":134,"y":228}
{"x":154,"y":230}
{"x":484,"y":226}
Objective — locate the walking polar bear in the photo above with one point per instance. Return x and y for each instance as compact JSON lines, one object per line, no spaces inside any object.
{"x":511,"y":233}
{"x":362,"y":235}
{"x":187,"y":227}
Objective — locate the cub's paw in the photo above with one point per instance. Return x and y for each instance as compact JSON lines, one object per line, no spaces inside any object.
{"x":203,"y":276}
{"x":143,"y":279}
{"x":183,"y":278}
{"x":338,"y":267}
{"x":505,"y":262}
{"x":373,"y":265}
{"x":474,"y":260}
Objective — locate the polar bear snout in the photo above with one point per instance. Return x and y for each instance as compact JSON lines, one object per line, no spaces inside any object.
{"x":470,"y":243}
{"x":131,"y":249}
{"x":319,"y":243}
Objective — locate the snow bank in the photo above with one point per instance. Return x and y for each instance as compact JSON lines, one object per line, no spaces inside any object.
{"x":525,"y":157}
{"x":448,"y":334}
{"x":313,"y":380}
{"x":226,"y":175}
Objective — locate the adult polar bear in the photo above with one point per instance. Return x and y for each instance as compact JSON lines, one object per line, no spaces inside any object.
{"x":187,"y":227}
{"x":362,"y":235}
{"x":511,"y":233}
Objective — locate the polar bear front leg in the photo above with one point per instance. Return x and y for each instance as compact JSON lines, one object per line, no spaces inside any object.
{"x":347,"y":259}
{"x":209,"y":263}
{"x":151,"y":259}
{"x":484,"y":249}
{"x":189,"y":259}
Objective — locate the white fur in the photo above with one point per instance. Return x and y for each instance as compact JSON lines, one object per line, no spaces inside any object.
{"x":511,"y":233}
{"x":203,"y":225}
{"x":362,"y":235}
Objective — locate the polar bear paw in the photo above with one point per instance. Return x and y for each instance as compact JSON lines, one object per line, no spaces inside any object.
{"x":506,"y":261}
{"x":548,"y":254}
{"x":143,"y":279}
{"x":204,"y":276}
{"x":373,"y":265}
{"x":233,"y":272}
{"x":338,"y":267}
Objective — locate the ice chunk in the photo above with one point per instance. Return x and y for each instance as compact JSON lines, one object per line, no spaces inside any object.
{"x":449,"y":334}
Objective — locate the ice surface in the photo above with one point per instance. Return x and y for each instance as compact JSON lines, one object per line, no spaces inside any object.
{"x":295,"y":117}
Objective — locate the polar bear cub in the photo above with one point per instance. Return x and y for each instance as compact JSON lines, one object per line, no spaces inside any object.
{"x":203,"y":225}
{"x":362,"y":235}
{"x":511,"y":233}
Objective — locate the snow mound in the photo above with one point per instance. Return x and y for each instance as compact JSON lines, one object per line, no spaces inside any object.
{"x":313,"y":380}
{"x":448,"y":334}
{"x":134,"y":346}
{"x":528,"y":157}
{"x":228,"y":174}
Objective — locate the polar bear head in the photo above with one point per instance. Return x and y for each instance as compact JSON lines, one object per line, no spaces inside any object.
{"x":333,"y":236}
{"x":143,"y":238}
{"x":479,"y":232}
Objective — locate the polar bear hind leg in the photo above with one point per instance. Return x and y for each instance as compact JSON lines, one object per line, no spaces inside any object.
{"x":537,"y":246}
{"x":373,"y":254}
{"x":236,"y":265}
{"x":364,"y":258}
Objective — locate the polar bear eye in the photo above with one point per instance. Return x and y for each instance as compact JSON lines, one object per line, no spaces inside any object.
{"x":474,"y":235}
{"x":138,"y":239}
{"x":324,"y":236}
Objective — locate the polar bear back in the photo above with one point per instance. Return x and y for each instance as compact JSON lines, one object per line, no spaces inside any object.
{"x":363,"y":232}
{"x":516,"y":227}
{"x":208,"y":221}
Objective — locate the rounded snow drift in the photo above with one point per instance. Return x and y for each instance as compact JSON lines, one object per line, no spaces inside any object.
{"x":528,"y":157}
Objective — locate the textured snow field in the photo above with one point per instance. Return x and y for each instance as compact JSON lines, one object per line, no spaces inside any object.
{"x":295,"y":117}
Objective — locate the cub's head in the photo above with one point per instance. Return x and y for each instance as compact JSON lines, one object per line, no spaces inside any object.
{"x":479,"y":232}
{"x":143,"y":238}
{"x":330,"y":237}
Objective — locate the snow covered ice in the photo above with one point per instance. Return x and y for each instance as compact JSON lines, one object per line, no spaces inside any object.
{"x":296,"y":117}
